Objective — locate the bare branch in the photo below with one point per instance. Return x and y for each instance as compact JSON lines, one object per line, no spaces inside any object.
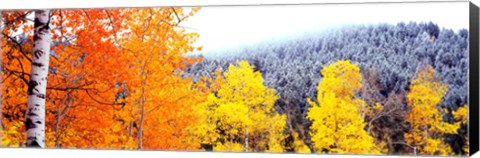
{"x":180,"y":19}
{"x":379,"y":116}
{"x":176,"y":14}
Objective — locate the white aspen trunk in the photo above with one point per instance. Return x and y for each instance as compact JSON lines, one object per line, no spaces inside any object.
{"x":415,"y":151}
{"x":35,"y":118}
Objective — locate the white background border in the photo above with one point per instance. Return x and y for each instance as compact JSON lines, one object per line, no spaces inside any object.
{"x":31,"y":4}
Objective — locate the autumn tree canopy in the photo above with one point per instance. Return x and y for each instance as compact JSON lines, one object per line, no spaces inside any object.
{"x":337,"y":124}
{"x":240,"y":116}
{"x":90,"y":77}
{"x":425,"y":118}
{"x":124,"y":79}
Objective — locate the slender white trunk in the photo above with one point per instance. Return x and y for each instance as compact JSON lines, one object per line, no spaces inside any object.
{"x":415,"y":151}
{"x":35,"y":118}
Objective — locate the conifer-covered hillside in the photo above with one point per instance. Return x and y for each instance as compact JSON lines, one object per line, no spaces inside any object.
{"x":389,"y":57}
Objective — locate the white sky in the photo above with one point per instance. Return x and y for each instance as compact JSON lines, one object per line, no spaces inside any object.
{"x":230,"y":26}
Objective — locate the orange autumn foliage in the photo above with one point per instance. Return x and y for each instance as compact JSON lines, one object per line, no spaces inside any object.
{"x":102,"y":66}
{"x":15,"y":69}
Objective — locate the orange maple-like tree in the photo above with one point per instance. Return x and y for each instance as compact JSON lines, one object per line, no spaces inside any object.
{"x":112,"y":74}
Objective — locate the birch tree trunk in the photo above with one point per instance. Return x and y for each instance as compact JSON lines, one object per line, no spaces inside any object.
{"x":35,"y":118}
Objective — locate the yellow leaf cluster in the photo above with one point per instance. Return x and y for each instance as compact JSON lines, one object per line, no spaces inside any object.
{"x":298,"y":144}
{"x":12,"y":135}
{"x":240,"y":113}
{"x":229,"y":147}
{"x":461,"y":114}
{"x":337,"y":125}
{"x":426,"y":125}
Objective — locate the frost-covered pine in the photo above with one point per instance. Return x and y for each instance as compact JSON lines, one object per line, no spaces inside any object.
{"x":292,"y":66}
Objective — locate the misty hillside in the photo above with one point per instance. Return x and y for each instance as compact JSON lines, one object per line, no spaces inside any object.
{"x":393,"y":52}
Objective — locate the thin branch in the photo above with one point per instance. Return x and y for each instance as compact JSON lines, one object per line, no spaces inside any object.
{"x":156,"y":107}
{"x":403,"y":143}
{"x":19,"y":72}
{"x":68,"y":88}
{"x":31,"y":20}
{"x":20,"y":76}
{"x":379,"y":116}
{"x":17,"y":18}
{"x":18,"y":45}
{"x":86,"y":14}
{"x":22,"y":73}
{"x":5,"y":78}
{"x":68,"y":105}
{"x":113,"y":27}
{"x":21,"y":65}
{"x":176,"y":14}
{"x":179,"y":20}
{"x":100,"y":102}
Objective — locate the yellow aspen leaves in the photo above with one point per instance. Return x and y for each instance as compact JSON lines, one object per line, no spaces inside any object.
{"x":337,"y":125}
{"x":240,"y":115}
{"x":120,"y":79}
{"x":298,"y":145}
{"x":426,"y":120}
{"x":12,"y":135}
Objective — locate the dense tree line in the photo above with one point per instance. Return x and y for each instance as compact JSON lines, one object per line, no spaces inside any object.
{"x":388,"y":56}
{"x":375,"y":89}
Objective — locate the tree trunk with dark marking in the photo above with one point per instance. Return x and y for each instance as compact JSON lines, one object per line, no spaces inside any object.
{"x":35,"y":118}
